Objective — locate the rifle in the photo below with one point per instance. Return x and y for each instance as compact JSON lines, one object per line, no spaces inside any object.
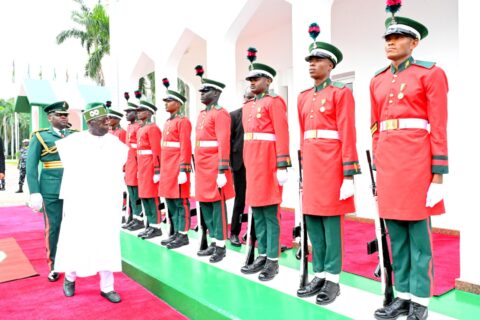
{"x":384,"y":268}
{"x":251,"y":239}
{"x":200,"y":222}
{"x":302,"y":229}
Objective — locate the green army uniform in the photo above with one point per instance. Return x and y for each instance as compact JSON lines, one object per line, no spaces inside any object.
{"x":42,"y":149}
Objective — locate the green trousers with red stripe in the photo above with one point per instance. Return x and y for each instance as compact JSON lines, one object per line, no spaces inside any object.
{"x":267,"y":230}
{"x":150,"y":207}
{"x":179,"y":210}
{"x":52,"y":214}
{"x":326,"y":236}
{"x":412,"y":256}
{"x":133,"y":200}
{"x":215,"y":216}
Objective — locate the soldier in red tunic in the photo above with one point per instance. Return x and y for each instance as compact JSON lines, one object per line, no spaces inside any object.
{"x":176,"y":167}
{"x":149,"y":138}
{"x":114,"y":118}
{"x":409,"y":129}
{"x":266,"y":157}
{"x":326,"y":113}
{"x":135,"y":221}
{"x":213,"y":179}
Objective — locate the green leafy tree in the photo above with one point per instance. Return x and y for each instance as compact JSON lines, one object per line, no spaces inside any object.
{"x":7,"y":121}
{"x":94,"y":36}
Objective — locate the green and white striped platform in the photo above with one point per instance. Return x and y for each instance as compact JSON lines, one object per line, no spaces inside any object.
{"x":202,"y":290}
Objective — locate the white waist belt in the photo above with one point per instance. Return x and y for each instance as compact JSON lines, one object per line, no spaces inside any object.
{"x":206,"y":144}
{"x":259,"y":136}
{"x":410,"y":123}
{"x":171,"y":144}
{"x":324,"y":134}
{"x":144,"y":152}
{"x":133,"y":145}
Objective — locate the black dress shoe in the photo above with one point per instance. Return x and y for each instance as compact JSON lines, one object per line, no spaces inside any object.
{"x":269,"y":271}
{"x":137,"y":225}
{"x":53,"y":276}
{"x":417,"y":312}
{"x":169,"y":239}
{"x":235,"y":241}
{"x":68,"y":288}
{"x":329,"y":292}
{"x":180,"y":241}
{"x":207,"y":252}
{"x":151,"y":232}
{"x":142,"y":233}
{"x":396,"y":308}
{"x":218,"y":254}
{"x":256,"y":266}
{"x":312,"y":288}
{"x":128,"y":224}
{"x":111,"y":296}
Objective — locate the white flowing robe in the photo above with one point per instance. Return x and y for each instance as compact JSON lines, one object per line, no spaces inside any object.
{"x":92,"y":188}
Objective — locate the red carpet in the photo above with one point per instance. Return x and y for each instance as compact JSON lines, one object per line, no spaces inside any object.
{"x":36,"y":298}
{"x":446,"y":255}
{"x":13,"y":262}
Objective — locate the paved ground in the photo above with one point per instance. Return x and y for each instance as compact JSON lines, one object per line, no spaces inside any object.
{"x":9,"y":197}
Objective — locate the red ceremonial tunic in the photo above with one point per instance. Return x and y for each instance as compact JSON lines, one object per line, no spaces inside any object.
{"x":213,"y":127}
{"x":149,"y":137}
{"x":406,"y":158}
{"x":120,"y":133}
{"x":176,"y":155}
{"x":327,"y":156}
{"x":266,"y":114}
{"x":131,"y":167}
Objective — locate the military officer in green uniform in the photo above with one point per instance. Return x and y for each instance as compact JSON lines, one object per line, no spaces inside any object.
{"x":45,"y":188}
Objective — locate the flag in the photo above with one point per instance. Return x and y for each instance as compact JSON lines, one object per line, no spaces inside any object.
{"x":13,"y":71}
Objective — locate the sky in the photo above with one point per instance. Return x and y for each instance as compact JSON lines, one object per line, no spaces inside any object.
{"x":28,"y":36}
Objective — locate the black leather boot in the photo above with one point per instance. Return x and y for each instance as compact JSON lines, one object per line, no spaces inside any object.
{"x":169,"y":239}
{"x":417,"y":312}
{"x":312,"y":288}
{"x":218,"y":254}
{"x":398,"y":307}
{"x":207,"y":252}
{"x":151,"y":232}
{"x":329,"y":292}
{"x":256,"y":266}
{"x":235,"y":241}
{"x":269,"y":271}
{"x":180,"y":241}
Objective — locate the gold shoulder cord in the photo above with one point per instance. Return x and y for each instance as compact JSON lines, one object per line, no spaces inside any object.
{"x":46,"y":150}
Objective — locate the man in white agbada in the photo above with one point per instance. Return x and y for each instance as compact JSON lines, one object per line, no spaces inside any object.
{"x":92,"y":187}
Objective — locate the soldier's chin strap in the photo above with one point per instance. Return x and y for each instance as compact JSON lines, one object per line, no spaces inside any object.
{"x":46,"y":150}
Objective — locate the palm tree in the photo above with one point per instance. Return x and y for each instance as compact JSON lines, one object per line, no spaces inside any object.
{"x":94,"y":36}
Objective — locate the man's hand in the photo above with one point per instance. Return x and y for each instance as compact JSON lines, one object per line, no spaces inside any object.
{"x":156,"y":178}
{"x":435,"y":194}
{"x":347,"y":189}
{"x":2,"y":176}
{"x":221,"y":180}
{"x":182,"y":177}
{"x":282,"y":176}
{"x":36,"y":201}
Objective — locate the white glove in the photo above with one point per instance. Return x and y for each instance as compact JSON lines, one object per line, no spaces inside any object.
{"x":36,"y":201}
{"x":435,"y":194}
{"x":182,"y":177}
{"x":347,"y":189}
{"x":221,"y":180}
{"x":156,"y":178}
{"x":282,"y":176}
